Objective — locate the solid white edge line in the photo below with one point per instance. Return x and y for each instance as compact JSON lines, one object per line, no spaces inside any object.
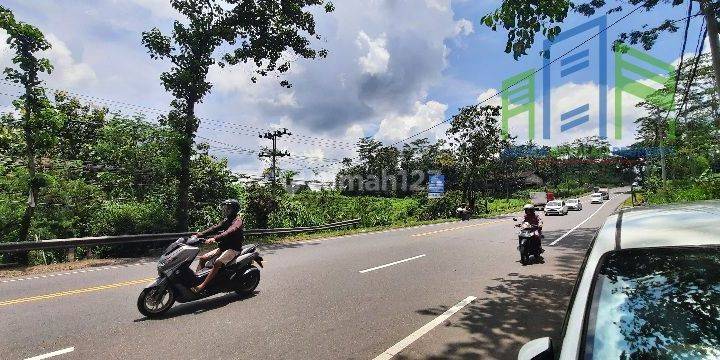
{"x":54,"y":353}
{"x":402,"y":344}
{"x":578,"y":225}
{"x":391,"y":264}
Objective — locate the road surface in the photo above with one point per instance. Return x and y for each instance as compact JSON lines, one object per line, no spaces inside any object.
{"x":446,"y":291}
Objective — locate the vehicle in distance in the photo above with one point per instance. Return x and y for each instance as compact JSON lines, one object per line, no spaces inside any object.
{"x":556,"y":207}
{"x":573,"y":204}
{"x":605,"y":193}
{"x":596,"y":198}
{"x":538,"y":199}
{"x":648,"y":289}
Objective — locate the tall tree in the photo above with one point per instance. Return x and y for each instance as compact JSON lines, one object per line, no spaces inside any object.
{"x":26,"y":41}
{"x":257,"y":31}
{"x":478,"y":144}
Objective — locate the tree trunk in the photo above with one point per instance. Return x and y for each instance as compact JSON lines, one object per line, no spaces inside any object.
{"x":712,"y":27}
{"x":184,"y":177}
{"x":30,"y":158}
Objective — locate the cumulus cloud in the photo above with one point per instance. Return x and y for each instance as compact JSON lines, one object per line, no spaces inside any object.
{"x":463,"y":27}
{"x":383,"y":60}
{"x":376,"y":60}
{"x":159,"y":8}
{"x":398,"y":127}
{"x":489,"y":97}
{"x":67,"y":71}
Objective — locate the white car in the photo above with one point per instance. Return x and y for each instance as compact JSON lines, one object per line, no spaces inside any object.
{"x":649,"y":288}
{"x":596,"y":198}
{"x":556,"y":207}
{"x":574,"y":204}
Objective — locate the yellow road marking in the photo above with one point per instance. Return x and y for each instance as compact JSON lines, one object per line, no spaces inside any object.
{"x":459,"y":227}
{"x":74,"y":292}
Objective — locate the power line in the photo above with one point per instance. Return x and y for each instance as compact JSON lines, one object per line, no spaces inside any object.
{"x":143,"y":109}
{"x":698,"y":54}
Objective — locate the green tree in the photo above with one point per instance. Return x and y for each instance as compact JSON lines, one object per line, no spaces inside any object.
{"x":523,"y":19}
{"x":478,"y":143}
{"x":259,"y":31}
{"x":26,"y":41}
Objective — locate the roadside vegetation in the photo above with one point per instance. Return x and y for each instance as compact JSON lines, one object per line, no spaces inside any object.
{"x":72,"y":169}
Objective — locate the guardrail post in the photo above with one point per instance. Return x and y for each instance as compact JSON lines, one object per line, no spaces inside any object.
{"x":71,"y":254}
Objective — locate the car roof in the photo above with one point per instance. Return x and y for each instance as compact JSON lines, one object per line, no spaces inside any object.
{"x":596,"y":194}
{"x":686,"y":224}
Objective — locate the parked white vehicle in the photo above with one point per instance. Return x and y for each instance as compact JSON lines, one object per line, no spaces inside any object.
{"x":573,"y":204}
{"x":596,"y":198}
{"x":556,"y":207}
{"x":648,"y":289}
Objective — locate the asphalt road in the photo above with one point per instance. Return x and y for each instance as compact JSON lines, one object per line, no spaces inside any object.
{"x":460,"y":293}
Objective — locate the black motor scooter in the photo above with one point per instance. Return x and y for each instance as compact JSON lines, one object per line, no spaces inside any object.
{"x":175,"y":277}
{"x":529,"y":242}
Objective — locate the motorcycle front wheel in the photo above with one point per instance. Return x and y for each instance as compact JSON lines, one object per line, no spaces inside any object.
{"x":524,"y":257}
{"x":151,"y":304}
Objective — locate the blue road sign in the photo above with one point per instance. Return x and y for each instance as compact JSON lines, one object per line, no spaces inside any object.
{"x":436,"y":186}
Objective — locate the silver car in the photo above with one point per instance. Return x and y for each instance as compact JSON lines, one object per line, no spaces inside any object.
{"x":556,"y":207}
{"x":573,"y":204}
{"x":649,"y":288}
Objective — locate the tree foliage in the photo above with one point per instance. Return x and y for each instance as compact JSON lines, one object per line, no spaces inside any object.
{"x":524,"y":19}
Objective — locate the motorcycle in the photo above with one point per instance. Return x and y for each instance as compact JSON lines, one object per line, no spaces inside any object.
{"x":529,"y":242}
{"x":175,"y":277}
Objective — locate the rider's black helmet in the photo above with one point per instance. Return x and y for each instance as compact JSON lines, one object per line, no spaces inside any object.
{"x":234,"y":206}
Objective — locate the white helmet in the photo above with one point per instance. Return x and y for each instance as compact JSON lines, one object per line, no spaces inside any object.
{"x":528,"y":207}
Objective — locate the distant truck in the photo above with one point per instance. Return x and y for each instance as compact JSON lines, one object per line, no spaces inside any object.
{"x":540,"y":199}
{"x":604,"y":191}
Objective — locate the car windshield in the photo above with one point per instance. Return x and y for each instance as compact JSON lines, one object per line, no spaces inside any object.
{"x":661,"y":303}
{"x":554,"y":203}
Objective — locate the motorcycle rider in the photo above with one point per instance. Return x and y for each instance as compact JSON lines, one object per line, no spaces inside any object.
{"x":533,"y":219}
{"x":229,"y":239}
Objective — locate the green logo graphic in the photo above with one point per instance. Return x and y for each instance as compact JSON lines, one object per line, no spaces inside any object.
{"x":623,"y":55}
{"x":519,"y":99}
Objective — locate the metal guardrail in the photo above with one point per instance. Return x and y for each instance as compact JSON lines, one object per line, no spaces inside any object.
{"x":142,"y":238}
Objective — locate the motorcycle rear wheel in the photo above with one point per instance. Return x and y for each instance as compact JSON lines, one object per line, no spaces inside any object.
{"x":251,"y":280}
{"x":151,"y":305}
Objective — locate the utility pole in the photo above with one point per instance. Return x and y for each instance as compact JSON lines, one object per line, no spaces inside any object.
{"x":712,"y":28}
{"x":274,"y":153}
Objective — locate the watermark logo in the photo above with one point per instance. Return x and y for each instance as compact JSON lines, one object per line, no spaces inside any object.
{"x":633,"y":69}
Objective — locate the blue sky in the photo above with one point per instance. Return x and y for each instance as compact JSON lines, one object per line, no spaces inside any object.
{"x":395,"y":67}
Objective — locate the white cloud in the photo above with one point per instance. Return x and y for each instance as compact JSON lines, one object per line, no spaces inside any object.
{"x":67,"y":71}
{"x":377,"y":58}
{"x":442,"y":5}
{"x":463,"y":27}
{"x":159,"y":8}
{"x":489,"y":97}
{"x":425,"y":115}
